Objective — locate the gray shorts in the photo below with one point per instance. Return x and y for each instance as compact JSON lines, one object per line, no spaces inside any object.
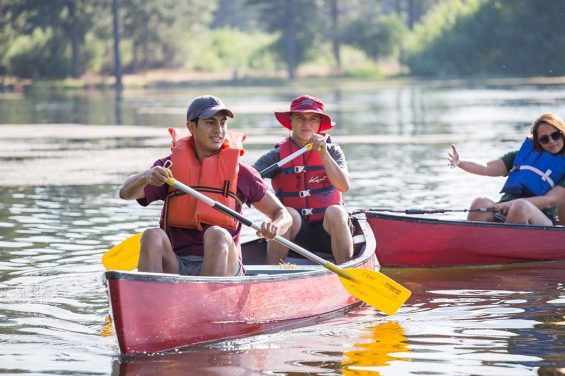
{"x":191,"y":265}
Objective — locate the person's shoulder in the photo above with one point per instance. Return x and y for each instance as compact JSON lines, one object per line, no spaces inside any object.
{"x":247,"y":171}
{"x":334,"y":146}
{"x":271,"y":153}
{"x":336,"y":151}
{"x":250,"y":187}
{"x":270,"y":157}
{"x":508,"y":159}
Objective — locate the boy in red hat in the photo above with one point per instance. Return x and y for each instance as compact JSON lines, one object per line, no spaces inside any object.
{"x":311,"y":185}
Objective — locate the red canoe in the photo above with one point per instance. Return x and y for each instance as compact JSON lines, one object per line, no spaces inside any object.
{"x":158,"y":312}
{"x":416,"y":241}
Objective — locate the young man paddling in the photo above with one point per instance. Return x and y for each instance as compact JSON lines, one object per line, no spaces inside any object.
{"x":194,"y":238}
{"x":311,"y":185}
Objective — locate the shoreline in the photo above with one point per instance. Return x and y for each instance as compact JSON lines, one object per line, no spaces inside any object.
{"x":176,"y":79}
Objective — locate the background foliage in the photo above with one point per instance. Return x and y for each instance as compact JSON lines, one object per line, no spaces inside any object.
{"x":70,"y":38}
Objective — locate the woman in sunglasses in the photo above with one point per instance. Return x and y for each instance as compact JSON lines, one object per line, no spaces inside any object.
{"x":535,"y":186}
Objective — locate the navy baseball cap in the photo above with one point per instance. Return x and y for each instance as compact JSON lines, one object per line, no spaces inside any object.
{"x":206,"y":106}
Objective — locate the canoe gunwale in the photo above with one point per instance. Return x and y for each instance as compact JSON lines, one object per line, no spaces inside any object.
{"x":459,"y":222}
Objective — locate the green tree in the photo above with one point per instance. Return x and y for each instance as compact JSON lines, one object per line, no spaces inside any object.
{"x":490,"y":37}
{"x":235,"y":14}
{"x":379,"y":37}
{"x":157,"y":29}
{"x":298,"y":23}
{"x":65,"y":22}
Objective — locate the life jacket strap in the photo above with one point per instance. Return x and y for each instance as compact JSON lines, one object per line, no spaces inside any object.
{"x":545,"y":176}
{"x":312,"y":211}
{"x":300,"y":169}
{"x":306,"y":193}
{"x":223,"y":191}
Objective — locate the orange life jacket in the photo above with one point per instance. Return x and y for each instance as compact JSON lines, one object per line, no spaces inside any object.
{"x":303,"y":184}
{"x":215,"y":177}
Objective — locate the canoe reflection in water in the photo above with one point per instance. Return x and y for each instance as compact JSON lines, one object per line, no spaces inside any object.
{"x":469,"y":321}
{"x":285,"y":353}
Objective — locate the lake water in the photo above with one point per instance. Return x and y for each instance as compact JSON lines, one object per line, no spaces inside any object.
{"x":64,"y":156}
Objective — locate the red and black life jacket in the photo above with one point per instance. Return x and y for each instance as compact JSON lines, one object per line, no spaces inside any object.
{"x":303,"y":184}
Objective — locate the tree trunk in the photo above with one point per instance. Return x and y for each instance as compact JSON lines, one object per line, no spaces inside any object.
{"x":411,"y":14}
{"x":75,"y":37}
{"x":336,"y":34}
{"x":117,"y":58}
{"x":290,"y":40}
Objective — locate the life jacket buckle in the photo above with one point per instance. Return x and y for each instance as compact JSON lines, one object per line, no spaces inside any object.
{"x":308,"y":211}
{"x":546,"y":175}
{"x":298,"y":169}
{"x":305,"y":193}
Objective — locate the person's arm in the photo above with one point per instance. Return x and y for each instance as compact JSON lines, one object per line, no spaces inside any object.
{"x":554,"y":198}
{"x":338,"y":175}
{"x":134,"y":186}
{"x":280,"y":217}
{"x":496,"y":167}
{"x":267,"y":160}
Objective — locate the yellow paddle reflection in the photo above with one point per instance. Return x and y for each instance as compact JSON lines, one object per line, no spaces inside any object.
{"x":384,"y":339}
{"x":108,"y":329}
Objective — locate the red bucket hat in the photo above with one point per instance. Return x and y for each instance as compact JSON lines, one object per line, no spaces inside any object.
{"x":305,"y":103}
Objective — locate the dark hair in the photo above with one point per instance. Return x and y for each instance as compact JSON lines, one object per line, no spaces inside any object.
{"x":549,"y":119}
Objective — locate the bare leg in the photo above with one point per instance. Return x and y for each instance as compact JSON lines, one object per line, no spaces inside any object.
{"x":524,"y":212}
{"x":336,"y":224}
{"x":479,"y":203}
{"x":277,"y":252}
{"x":220,"y":253}
{"x":156,"y":254}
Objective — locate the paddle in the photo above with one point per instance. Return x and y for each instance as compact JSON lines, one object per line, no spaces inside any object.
{"x":125,"y":255}
{"x":284,"y":161}
{"x":432,"y":211}
{"x":369,"y":286}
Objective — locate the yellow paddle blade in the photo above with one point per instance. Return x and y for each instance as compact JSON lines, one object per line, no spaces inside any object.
{"x":123,"y":256}
{"x":376,"y":289}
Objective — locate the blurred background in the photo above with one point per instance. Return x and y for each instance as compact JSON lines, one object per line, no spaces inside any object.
{"x":139,"y":42}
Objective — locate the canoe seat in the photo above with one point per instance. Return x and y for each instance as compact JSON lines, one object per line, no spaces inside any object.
{"x":255,"y":252}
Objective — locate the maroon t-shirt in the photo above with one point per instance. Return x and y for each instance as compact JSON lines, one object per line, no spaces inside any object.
{"x":250,"y":189}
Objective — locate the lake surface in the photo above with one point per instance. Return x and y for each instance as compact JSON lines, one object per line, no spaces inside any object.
{"x":64,"y":156}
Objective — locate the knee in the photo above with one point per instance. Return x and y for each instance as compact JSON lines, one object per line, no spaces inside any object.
{"x":481,"y":202}
{"x":154,"y":235}
{"x":218,"y":239}
{"x":335,"y":214}
{"x":519,"y":206}
{"x":216,"y":234}
{"x":296,"y":221}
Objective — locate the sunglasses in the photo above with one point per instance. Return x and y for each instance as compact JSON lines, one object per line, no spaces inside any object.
{"x":554,"y":136}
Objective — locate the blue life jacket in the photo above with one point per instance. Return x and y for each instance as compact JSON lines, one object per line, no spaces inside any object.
{"x":534,"y":172}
